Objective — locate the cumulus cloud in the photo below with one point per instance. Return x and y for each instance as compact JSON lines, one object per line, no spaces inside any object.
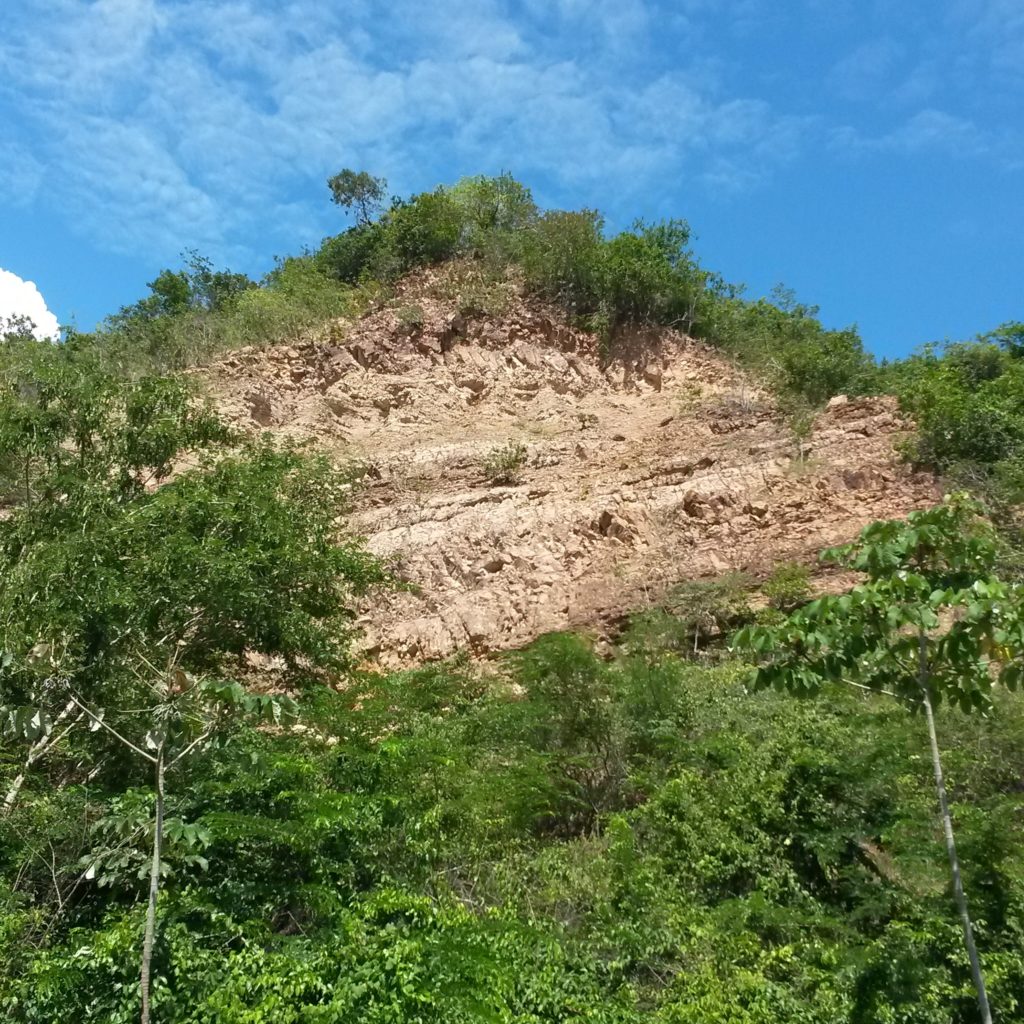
{"x":183,"y":123}
{"x":19,"y":298}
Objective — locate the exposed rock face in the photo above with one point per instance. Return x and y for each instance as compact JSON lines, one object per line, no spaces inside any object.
{"x":637,"y":476}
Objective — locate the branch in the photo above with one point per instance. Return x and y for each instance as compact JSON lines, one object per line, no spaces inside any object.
{"x":871,"y":689}
{"x":188,"y":750}
{"x":40,"y":747}
{"x":114,"y":732}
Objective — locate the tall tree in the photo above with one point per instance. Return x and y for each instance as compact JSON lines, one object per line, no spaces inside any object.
{"x":358,"y":191}
{"x":931,"y":623}
{"x":131,"y":595}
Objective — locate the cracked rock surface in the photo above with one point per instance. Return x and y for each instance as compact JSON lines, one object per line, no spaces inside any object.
{"x":666,"y":465}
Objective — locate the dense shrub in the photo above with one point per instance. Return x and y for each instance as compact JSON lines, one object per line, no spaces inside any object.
{"x":785,"y":340}
{"x":346,"y":257}
{"x":497,"y":213}
{"x":967,"y":402}
{"x":639,"y":839}
{"x":426,"y":229}
{"x":562,"y":259}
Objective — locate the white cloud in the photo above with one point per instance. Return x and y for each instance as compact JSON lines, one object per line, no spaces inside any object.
{"x":864,"y":73}
{"x":20,"y":298}
{"x":170,"y":124}
{"x":996,"y":27}
{"x":21,"y":174}
{"x":926,"y":130}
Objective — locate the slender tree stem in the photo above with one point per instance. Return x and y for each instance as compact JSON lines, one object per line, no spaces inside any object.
{"x":113,"y":732}
{"x":202,"y":738}
{"x":36,"y":751}
{"x":947,"y":827}
{"x":154,"y":887}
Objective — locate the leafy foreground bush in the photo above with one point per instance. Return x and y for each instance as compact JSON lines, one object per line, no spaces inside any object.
{"x":931,"y":623}
{"x":639,"y":840}
{"x":130,"y":597}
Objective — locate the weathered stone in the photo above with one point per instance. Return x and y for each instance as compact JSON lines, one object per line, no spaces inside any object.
{"x":260,"y":408}
{"x":653,"y":377}
{"x":597,"y":528}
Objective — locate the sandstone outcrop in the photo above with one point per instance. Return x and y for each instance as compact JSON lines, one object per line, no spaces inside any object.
{"x":668,"y":466}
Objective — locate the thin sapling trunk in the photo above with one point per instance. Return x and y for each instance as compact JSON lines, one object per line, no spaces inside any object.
{"x":154,"y":887}
{"x":947,"y":827}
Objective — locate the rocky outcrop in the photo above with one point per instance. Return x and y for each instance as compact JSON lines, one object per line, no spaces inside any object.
{"x":638,"y":475}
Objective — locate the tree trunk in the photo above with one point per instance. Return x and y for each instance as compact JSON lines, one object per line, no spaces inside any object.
{"x":154,"y":886}
{"x":947,"y":827}
{"x":35,"y":752}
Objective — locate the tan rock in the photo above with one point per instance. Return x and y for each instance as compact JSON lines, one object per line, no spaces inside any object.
{"x":600,"y":526}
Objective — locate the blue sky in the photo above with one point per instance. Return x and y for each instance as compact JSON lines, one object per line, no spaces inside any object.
{"x":868,"y":154}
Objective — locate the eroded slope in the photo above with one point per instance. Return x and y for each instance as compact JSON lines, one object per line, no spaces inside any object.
{"x":664,"y":467}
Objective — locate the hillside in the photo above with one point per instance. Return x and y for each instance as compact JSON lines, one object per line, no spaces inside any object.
{"x":414,"y":635}
{"x":637,"y":475}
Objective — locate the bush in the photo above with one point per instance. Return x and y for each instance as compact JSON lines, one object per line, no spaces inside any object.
{"x":496,"y":214}
{"x":695,"y":612}
{"x":294,"y":299}
{"x":504,"y":465}
{"x":967,"y":403}
{"x":410,"y":317}
{"x":649,"y":277}
{"x":785,"y":340}
{"x":636,"y":839}
{"x":349,"y":256}
{"x":563,"y":259}
{"x":425,"y":230}
{"x":787,"y":586}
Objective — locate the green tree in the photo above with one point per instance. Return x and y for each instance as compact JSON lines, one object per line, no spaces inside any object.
{"x":17,"y":328}
{"x":213,"y":290}
{"x":358,"y":191}
{"x":197,"y":287}
{"x":126,"y":606}
{"x":706,"y":607}
{"x":931,"y":623}
{"x":967,"y":402}
{"x":67,"y":423}
{"x":1009,"y":336}
{"x":562,"y":259}
{"x":497,"y":214}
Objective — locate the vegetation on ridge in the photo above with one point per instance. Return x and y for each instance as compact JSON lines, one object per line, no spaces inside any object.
{"x":965,"y":395}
